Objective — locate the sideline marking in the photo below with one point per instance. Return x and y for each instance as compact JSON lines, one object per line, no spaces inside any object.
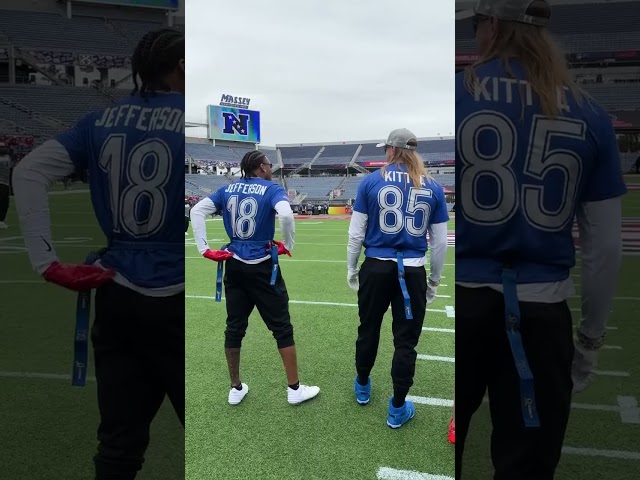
{"x":444,"y":330}
{"x":46,"y":376}
{"x":629,"y":411}
{"x":611,"y":373}
{"x":435,"y":358}
{"x":434,"y":402}
{"x":594,"y":452}
{"x":385,"y":473}
{"x":305,"y":302}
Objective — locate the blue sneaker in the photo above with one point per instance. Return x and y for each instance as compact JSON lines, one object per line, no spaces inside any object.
{"x":363,"y":392}
{"x":399,"y":416}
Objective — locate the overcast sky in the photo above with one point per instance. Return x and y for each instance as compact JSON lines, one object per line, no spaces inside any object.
{"x":324,"y":70}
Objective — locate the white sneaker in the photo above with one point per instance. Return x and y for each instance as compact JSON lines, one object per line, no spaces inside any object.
{"x":3,"y":226}
{"x":302,"y":394}
{"x":236,"y":396}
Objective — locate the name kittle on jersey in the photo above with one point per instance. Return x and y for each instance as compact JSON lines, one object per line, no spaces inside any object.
{"x":400,"y":177}
{"x":144,"y":119}
{"x":504,"y":90}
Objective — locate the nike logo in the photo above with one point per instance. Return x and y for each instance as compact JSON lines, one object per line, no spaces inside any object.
{"x":205,"y":242}
{"x":47,"y":244}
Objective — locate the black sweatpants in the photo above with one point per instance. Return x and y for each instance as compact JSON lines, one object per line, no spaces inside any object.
{"x":4,"y":201}
{"x":247,"y":286}
{"x":139,"y":352}
{"x":186,"y":224}
{"x":379,"y":287}
{"x":484,"y":362}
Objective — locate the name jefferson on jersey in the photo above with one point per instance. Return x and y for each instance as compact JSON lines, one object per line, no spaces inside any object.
{"x":246,"y":188}
{"x":144,"y":119}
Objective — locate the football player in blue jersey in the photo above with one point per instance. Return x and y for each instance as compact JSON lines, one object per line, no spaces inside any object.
{"x":395,"y":207}
{"x":134,"y":153}
{"x":533,"y":153}
{"x":253,"y":278}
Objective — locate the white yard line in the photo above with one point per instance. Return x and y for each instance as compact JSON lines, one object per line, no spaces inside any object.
{"x":443,"y":330}
{"x":594,"y":452}
{"x":433,"y":402}
{"x":39,"y":375}
{"x":435,"y":358}
{"x":451,"y":311}
{"x":306,"y":302}
{"x":611,"y":373}
{"x":385,"y":473}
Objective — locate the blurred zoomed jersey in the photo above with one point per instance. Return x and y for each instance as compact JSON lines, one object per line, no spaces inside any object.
{"x":131,"y":152}
{"x":520,"y":176}
{"x":248,"y":212}
{"x":388,"y":199}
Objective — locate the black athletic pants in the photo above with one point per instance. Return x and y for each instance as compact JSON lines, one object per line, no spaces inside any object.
{"x":247,"y":286}
{"x":379,"y":287}
{"x":484,"y":362}
{"x":4,"y":201}
{"x":139,"y":352}
{"x":186,"y":224}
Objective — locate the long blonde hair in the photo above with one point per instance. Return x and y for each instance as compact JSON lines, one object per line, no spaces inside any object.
{"x":544,"y":63}
{"x":414,"y":163}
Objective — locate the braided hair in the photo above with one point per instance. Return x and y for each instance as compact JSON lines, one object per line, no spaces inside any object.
{"x":156,"y":55}
{"x":250,"y":162}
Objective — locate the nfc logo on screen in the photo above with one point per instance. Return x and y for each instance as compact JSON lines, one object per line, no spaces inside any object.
{"x":233,"y":124}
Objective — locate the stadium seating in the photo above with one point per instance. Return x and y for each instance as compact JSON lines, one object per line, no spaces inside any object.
{"x":350,"y":187}
{"x":589,"y":27}
{"x":370,"y":153}
{"x":204,"y":185}
{"x":79,"y":34}
{"x":293,"y":157}
{"x":336,"y":156}
{"x":66,"y":104}
{"x":616,"y":94}
{"x":316,"y":188}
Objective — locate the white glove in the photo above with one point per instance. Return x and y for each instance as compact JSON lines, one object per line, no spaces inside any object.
{"x":352,"y":279}
{"x":432,"y":290}
{"x":585,"y":360}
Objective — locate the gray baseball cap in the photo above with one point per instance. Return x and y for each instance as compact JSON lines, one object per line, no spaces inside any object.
{"x":402,"y":138}
{"x":509,"y":10}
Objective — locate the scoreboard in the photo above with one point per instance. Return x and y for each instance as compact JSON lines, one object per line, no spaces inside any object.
{"x":233,"y":123}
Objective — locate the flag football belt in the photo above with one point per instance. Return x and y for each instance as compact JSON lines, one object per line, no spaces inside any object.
{"x":403,"y":287}
{"x":274,"y":268}
{"x":512,"y":323}
{"x":81,"y":334}
{"x":83,"y":310}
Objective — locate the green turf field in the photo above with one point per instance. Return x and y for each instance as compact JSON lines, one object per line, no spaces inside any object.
{"x":48,"y":427}
{"x":331,"y":436}
{"x":603,"y":438}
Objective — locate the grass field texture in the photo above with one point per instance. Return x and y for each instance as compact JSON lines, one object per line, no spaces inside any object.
{"x":603,"y":437}
{"x":331,"y":436}
{"x":47,"y":427}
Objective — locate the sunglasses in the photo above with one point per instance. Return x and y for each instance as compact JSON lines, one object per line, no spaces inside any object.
{"x":268,"y":163}
{"x":476,"y":20}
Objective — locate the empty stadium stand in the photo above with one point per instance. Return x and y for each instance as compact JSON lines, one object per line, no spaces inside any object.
{"x":316,"y":188}
{"x":337,"y":156}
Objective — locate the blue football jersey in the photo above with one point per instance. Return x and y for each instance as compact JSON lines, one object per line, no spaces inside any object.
{"x":520,"y":176}
{"x":248,"y":213}
{"x":398,"y":213}
{"x":133,"y":152}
